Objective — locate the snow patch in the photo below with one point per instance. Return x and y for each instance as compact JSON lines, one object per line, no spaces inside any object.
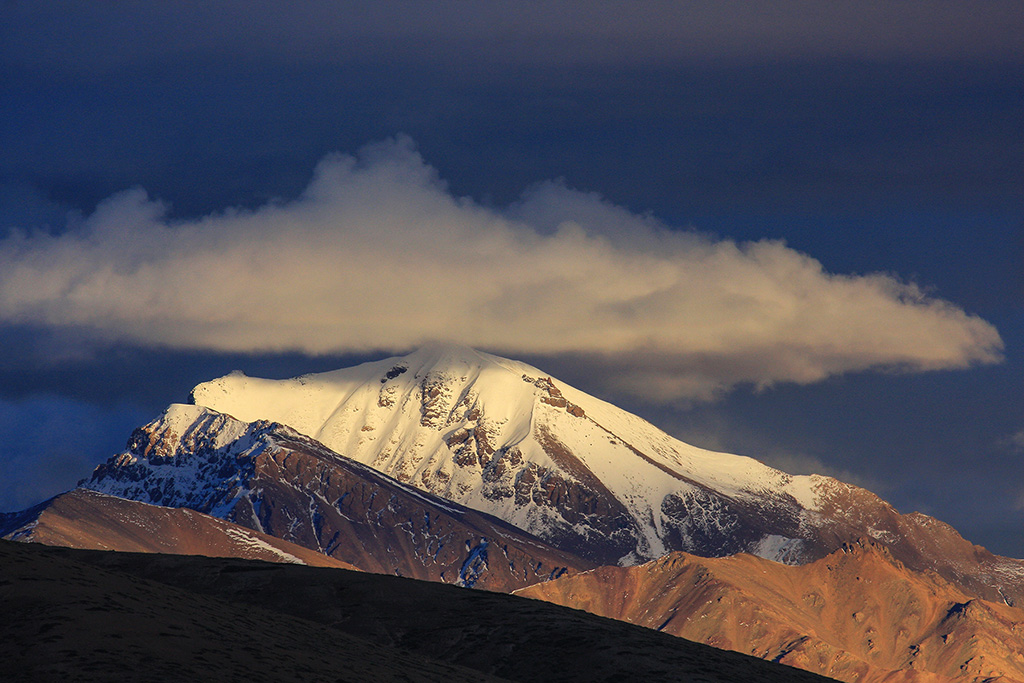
{"x":253,"y":543}
{"x":474,"y":565}
{"x":779,"y":549}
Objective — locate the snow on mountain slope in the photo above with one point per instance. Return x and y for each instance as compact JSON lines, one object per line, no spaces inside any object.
{"x":503,"y":437}
{"x":271,"y":479}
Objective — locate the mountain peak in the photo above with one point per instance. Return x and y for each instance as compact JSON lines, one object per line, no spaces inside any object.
{"x":181,"y":416}
{"x":444,"y":360}
{"x":447,"y":354}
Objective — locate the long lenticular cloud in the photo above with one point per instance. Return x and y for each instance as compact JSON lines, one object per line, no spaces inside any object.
{"x":376,"y":253}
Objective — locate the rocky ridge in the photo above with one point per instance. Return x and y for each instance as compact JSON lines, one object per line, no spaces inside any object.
{"x":269,"y":478}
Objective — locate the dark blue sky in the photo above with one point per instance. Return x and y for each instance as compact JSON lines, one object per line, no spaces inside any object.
{"x":879,"y":137}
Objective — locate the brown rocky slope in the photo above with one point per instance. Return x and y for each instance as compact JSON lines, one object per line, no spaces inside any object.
{"x":91,"y":520}
{"x":858,"y":614}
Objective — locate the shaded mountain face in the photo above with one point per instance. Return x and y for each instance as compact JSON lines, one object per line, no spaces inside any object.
{"x":99,"y":616}
{"x":505,"y":438}
{"x":856,"y":615}
{"x":91,"y":520}
{"x":269,"y":478}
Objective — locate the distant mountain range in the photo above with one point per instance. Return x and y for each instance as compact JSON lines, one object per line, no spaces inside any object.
{"x":457,"y":466}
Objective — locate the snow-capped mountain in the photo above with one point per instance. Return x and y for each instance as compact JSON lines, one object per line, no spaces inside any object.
{"x":505,"y":438}
{"x":267,"y":477}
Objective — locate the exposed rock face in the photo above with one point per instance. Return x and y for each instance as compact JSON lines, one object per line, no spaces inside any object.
{"x":91,"y":520}
{"x":503,"y":437}
{"x":858,"y":614}
{"x":270,"y":478}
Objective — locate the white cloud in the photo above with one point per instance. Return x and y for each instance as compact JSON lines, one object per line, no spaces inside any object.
{"x":377,"y":254}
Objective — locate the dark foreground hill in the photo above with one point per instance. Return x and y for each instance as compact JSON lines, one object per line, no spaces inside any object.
{"x":100,"y":616}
